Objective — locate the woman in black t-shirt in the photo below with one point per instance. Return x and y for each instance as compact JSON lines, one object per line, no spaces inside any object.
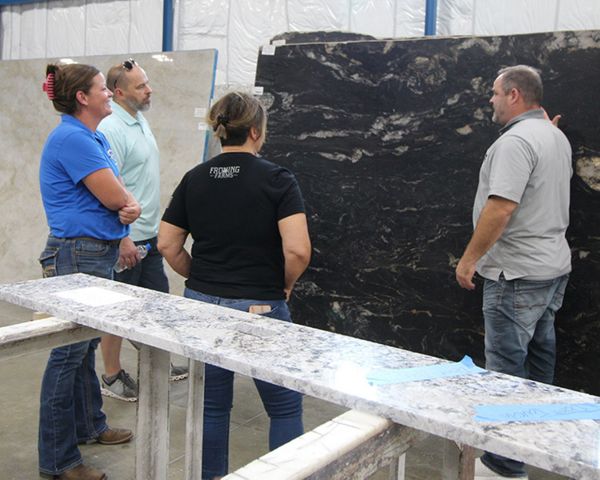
{"x":246,"y":217}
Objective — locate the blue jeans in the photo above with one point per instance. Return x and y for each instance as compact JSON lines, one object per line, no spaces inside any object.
{"x":283,"y":406}
{"x":70,"y":400}
{"x":149,"y":273}
{"x":520,"y":338}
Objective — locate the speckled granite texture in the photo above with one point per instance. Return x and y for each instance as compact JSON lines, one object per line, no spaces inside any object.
{"x":326,"y":365}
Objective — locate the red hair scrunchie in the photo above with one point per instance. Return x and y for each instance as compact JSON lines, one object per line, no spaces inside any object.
{"x":48,"y":86}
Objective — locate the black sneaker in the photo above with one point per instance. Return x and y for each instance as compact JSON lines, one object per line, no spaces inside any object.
{"x":120,"y":386}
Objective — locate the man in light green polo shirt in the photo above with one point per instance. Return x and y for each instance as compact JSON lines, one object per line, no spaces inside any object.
{"x":135,"y":150}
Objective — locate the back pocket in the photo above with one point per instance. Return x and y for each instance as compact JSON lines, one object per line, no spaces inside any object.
{"x":48,"y":260}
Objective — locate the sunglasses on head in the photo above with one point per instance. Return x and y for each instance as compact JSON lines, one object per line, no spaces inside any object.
{"x":126,"y":65}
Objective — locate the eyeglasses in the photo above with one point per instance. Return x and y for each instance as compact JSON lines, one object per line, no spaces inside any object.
{"x":126,"y":65}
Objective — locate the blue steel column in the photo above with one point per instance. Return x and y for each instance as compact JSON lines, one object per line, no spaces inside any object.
{"x":168,"y":19}
{"x":430,"y":17}
{"x":17,"y":2}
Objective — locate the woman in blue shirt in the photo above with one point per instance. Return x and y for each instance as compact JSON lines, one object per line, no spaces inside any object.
{"x":88,"y":211}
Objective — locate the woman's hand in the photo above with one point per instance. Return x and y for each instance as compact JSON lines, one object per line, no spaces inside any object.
{"x":111,"y":193}
{"x":130,"y":212}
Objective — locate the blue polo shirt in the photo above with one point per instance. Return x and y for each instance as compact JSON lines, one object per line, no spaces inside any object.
{"x":72,"y":152}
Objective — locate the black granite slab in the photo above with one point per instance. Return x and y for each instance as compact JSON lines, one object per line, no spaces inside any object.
{"x":386,"y":139}
{"x":320,"y":36}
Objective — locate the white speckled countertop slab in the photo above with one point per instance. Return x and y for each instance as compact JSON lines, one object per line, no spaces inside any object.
{"x":326,"y":365}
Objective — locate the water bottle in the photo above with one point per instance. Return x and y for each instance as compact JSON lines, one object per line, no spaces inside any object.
{"x":142,"y":252}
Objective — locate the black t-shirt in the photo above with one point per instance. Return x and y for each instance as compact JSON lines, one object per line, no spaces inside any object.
{"x":231,"y":205}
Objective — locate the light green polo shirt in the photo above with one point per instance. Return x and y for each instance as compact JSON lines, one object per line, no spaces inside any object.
{"x":135,"y":150}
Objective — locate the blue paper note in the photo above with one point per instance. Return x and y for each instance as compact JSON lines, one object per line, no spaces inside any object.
{"x":384,"y":376}
{"x":537,"y":412}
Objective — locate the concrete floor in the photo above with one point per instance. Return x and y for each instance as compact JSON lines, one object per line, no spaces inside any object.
{"x":20,"y":386}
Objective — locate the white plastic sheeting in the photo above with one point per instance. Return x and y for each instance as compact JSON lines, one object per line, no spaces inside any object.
{"x":505,"y":17}
{"x":63,"y":28}
{"x":237,"y":28}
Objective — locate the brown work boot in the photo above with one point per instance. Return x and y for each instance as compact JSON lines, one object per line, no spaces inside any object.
{"x":81,"y":472}
{"x":115,"y":436}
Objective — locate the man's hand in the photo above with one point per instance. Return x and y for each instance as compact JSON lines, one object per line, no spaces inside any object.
{"x":554,"y":120}
{"x":492,"y":221}
{"x":464,"y":274}
{"x":128,"y":254}
{"x":130,"y":212}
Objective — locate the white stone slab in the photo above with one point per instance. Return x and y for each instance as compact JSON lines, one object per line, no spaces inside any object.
{"x":310,"y":361}
{"x":43,"y":334}
{"x":94,"y":296}
{"x":353,"y":442}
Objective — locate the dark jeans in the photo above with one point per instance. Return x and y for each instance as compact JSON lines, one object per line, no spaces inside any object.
{"x":520,"y":338}
{"x":283,"y":406}
{"x":70,"y":400}
{"x":149,"y":273}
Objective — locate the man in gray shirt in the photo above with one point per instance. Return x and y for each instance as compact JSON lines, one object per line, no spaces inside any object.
{"x":520,"y":216}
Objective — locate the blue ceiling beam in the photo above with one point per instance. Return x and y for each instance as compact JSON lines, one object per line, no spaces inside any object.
{"x":16,"y":2}
{"x":168,"y":20}
{"x":430,"y":17}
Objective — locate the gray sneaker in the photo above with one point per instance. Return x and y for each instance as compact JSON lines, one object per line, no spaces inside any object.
{"x":120,"y":386}
{"x":178,"y":373}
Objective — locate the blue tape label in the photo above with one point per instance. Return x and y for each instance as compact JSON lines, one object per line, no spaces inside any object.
{"x":537,"y":412}
{"x":385,"y":376}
